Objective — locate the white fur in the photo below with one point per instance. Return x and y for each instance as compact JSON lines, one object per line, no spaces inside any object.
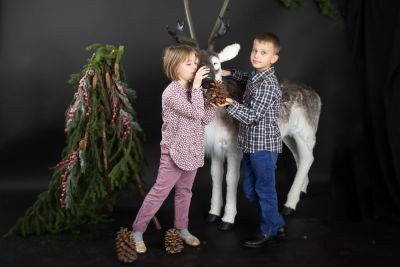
{"x":299,"y":136}
{"x":229,"y":52}
{"x":217,"y":66}
{"x":221,"y":143}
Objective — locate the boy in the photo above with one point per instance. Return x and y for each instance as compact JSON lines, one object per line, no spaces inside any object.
{"x":259,"y":135}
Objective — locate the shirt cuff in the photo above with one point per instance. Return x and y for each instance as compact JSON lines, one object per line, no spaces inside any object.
{"x":231,"y":73}
{"x":233,"y":108}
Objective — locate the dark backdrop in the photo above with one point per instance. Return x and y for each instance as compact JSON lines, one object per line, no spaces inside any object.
{"x":43,"y":42}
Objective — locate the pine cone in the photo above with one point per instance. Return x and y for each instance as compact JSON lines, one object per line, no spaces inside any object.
{"x":126,"y":251}
{"x":217,"y":94}
{"x":173,"y":241}
{"x":82,"y":144}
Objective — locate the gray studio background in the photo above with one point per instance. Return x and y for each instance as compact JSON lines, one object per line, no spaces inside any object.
{"x":42,"y":42}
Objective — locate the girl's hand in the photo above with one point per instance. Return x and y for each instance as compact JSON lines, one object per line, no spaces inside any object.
{"x":200,"y":75}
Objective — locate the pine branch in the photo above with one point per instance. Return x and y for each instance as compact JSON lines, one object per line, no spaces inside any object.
{"x":326,"y":7}
{"x":98,"y":157}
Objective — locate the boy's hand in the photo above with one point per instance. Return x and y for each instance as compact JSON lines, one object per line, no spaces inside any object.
{"x":200,"y":75}
{"x":225,"y":72}
{"x":228,"y":101}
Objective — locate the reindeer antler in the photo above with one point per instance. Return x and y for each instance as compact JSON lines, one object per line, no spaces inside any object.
{"x":190,"y":23}
{"x":220,"y":27}
{"x":179,"y":35}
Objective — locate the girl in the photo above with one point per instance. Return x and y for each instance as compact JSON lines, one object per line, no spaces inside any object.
{"x":184,"y":115}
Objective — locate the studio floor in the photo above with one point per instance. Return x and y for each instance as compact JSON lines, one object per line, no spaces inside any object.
{"x":316,"y":236}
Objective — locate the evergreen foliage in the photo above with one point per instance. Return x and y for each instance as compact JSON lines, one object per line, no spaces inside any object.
{"x":326,"y":7}
{"x":103,"y":151}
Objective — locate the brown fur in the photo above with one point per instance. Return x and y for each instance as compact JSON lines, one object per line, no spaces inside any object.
{"x":295,"y":93}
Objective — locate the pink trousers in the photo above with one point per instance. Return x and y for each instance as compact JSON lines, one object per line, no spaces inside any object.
{"x":169,"y":175}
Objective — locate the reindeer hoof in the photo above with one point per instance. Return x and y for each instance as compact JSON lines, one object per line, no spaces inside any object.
{"x":211,"y":218}
{"x":286,"y":211}
{"x":225,"y":226}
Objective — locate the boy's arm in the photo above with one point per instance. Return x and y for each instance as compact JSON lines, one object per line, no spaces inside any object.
{"x":262,"y":99}
{"x":236,"y":75}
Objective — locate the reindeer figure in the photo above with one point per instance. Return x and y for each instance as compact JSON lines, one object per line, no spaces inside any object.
{"x":298,"y":122}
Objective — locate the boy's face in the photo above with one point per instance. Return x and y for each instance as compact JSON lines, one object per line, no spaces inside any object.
{"x":263,"y":55}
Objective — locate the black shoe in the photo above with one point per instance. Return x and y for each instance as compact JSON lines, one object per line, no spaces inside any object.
{"x":286,"y":211}
{"x":225,"y":226}
{"x":282,"y":233}
{"x":262,"y":239}
{"x":211,"y":218}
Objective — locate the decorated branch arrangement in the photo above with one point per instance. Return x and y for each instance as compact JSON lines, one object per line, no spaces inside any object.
{"x":103,"y":151}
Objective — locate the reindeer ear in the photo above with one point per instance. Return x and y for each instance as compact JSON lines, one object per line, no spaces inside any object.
{"x":229,"y":52}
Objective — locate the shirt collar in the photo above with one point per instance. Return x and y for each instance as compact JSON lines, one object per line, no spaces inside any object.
{"x":255,"y":76}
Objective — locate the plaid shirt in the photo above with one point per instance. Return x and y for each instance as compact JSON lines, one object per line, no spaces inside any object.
{"x":258,"y":115}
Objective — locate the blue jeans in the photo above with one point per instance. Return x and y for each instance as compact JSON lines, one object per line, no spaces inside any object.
{"x":259,"y":186}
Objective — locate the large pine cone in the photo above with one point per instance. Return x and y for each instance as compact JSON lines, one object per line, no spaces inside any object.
{"x":173,"y":241}
{"x":126,"y":251}
{"x":217,"y":93}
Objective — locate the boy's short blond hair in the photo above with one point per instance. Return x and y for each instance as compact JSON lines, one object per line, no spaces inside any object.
{"x":173,"y":56}
{"x":271,"y":38}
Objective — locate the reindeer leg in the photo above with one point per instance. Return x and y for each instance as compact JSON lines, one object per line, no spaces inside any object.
{"x":305,"y":160}
{"x":291,"y":144}
{"x":304,"y":186}
{"x":232,"y":179}
{"x":310,"y":146}
{"x":217,"y":171}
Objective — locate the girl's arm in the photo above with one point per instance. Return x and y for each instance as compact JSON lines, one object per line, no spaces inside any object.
{"x":180,"y":105}
{"x":209,"y":112}
{"x":194,"y":108}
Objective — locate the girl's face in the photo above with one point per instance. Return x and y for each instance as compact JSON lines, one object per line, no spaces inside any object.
{"x":187,"y":69}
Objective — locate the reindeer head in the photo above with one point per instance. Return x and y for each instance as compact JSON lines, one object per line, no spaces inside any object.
{"x":214,"y":60}
{"x":207,"y":57}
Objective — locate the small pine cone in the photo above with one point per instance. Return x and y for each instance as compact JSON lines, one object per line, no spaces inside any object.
{"x":94,"y":81}
{"x":173,"y":241}
{"x":217,"y":94}
{"x":82,"y":144}
{"x":126,"y":251}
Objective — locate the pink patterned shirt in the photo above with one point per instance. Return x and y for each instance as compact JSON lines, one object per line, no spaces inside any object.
{"x":183,"y":125}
